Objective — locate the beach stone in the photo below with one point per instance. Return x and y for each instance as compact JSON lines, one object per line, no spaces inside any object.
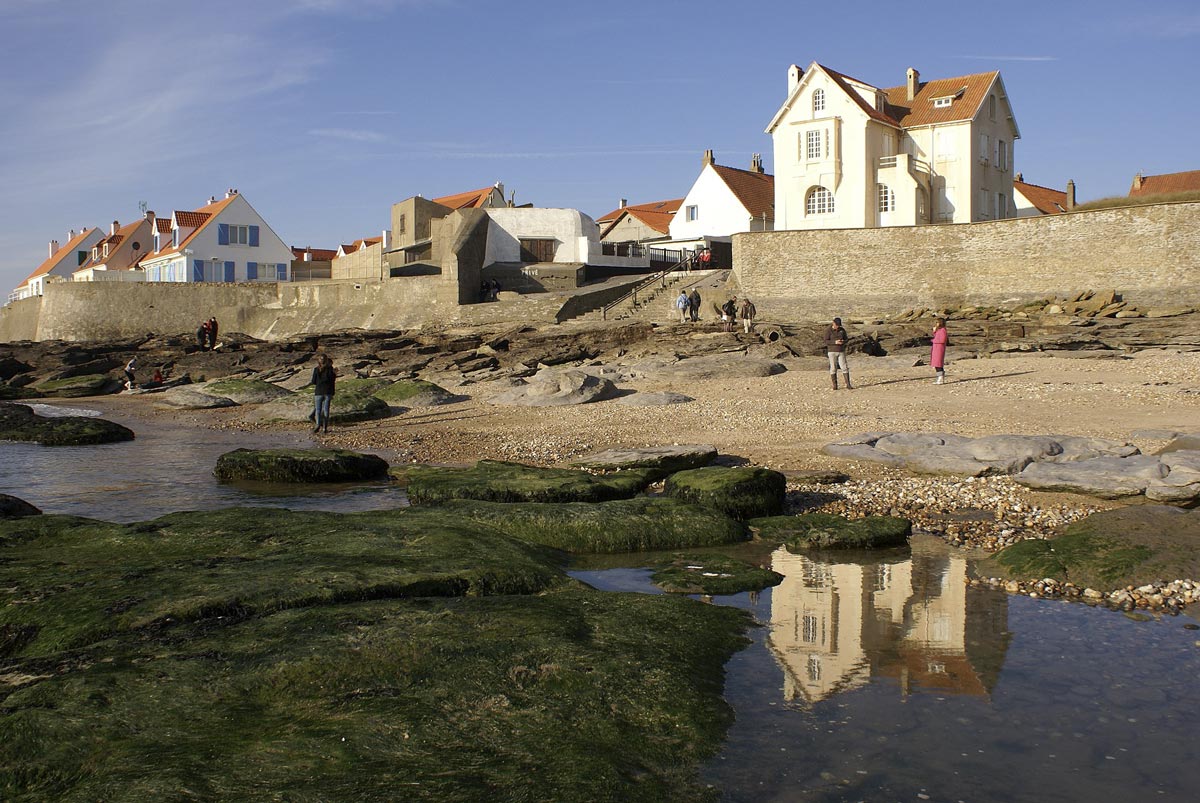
{"x":557,"y":388}
{"x":817,"y":476}
{"x":809,"y":531}
{"x":1181,"y":485}
{"x":502,"y":481}
{"x":13,"y":508}
{"x":74,"y":387}
{"x":244,"y":391}
{"x":1129,"y":546}
{"x":345,"y":407}
{"x":664,"y":459}
{"x":742,"y":492}
{"x":18,"y":422}
{"x":659,"y":399}
{"x":1181,"y":442}
{"x":189,"y":397}
{"x":299,"y":465}
{"x":414,"y":393}
{"x":713,"y":574}
{"x":1076,"y":448}
{"x":710,"y":366}
{"x":1105,"y":477}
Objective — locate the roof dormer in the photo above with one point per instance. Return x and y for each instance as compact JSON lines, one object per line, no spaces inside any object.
{"x":946,"y":101}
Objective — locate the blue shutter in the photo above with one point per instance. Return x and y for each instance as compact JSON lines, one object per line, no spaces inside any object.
{"x":251,"y":271}
{"x":281,"y":272}
{"x":229,"y":271}
{"x":254,"y":236}
{"x":198,"y":270}
{"x":222,"y":234}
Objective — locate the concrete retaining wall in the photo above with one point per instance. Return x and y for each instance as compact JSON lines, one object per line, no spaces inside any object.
{"x":1149,"y":254}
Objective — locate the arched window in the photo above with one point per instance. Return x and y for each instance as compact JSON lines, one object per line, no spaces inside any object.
{"x":887,"y":198}
{"x":820,"y":201}
{"x":818,"y":100}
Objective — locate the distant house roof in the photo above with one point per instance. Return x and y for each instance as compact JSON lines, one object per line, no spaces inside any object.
{"x":198,"y":219}
{"x":58,"y":256}
{"x":318,"y":254}
{"x":1166,"y":182}
{"x":357,"y":244}
{"x":1044,"y":199}
{"x":656,"y":214}
{"x":113,"y":241}
{"x":474,"y":199}
{"x":968,"y":93}
{"x":162,"y":225}
{"x":755,"y":191}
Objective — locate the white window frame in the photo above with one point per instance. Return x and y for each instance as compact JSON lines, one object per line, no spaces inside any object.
{"x":886,"y":198}
{"x":819,"y":201}
{"x":942,"y":103}
{"x":693,"y":213}
{"x":818,"y":100}
{"x":239,"y":234}
{"x":812,"y":145}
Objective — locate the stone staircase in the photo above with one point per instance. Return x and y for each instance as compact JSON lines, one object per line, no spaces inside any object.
{"x":658,"y":302}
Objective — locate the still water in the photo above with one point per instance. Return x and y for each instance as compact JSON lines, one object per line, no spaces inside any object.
{"x":883,"y":680}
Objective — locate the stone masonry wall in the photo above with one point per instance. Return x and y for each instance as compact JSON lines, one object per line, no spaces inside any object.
{"x":1148,"y":254}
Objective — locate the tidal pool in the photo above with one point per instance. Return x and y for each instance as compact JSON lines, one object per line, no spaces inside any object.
{"x":893,"y":679}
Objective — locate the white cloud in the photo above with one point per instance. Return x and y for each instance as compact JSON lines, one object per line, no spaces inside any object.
{"x":353,"y":135}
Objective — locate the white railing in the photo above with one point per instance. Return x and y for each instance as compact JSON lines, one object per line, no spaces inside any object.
{"x":918,"y":165}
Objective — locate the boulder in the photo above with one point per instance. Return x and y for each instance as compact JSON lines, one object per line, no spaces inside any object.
{"x":1105,"y":477}
{"x":190,"y":397}
{"x":18,"y":422}
{"x":13,"y":508}
{"x":815,"y":531}
{"x":244,"y":391}
{"x":75,"y":387}
{"x":1181,"y":442}
{"x":743,"y":492}
{"x":1128,"y":546}
{"x":9,"y":392}
{"x":713,"y":574}
{"x":299,"y":465}
{"x":640,"y":524}
{"x":500,"y":481}
{"x":555,"y":388}
{"x":414,"y":393}
{"x":731,"y":365}
{"x":345,"y":408}
{"x":663,"y":459}
{"x":1181,"y":485}
{"x":654,"y":399}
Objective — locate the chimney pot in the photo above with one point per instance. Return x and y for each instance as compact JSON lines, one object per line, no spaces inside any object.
{"x":1019,"y":177}
{"x":1070,"y":194}
{"x":709,"y":158}
{"x":914,"y":82}
{"x":113,"y":229}
{"x":53,"y":247}
{"x":756,"y":163}
{"x":623,"y":203}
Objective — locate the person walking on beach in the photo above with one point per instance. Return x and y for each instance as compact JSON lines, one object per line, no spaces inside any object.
{"x":202,"y":336}
{"x":212,"y":333}
{"x":683,"y":304}
{"x":728,"y":312}
{"x":937,"y":355}
{"x":694,"y":305}
{"x":748,"y":312}
{"x":835,"y":348}
{"x":323,"y":378}
{"x":130,"y":367}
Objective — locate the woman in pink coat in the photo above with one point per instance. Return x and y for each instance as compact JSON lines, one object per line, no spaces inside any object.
{"x":937,"y":357}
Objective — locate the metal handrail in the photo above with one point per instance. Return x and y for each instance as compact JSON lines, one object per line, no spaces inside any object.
{"x":661,"y":276}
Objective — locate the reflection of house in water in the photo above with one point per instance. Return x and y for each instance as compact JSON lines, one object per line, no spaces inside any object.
{"x":834,"y":625}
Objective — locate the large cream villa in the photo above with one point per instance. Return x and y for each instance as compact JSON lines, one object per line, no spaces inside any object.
{"x":852,"y":155}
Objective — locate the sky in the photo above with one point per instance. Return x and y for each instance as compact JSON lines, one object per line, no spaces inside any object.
{"x":323,"y":113}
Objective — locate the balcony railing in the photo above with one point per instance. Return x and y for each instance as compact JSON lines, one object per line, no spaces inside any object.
{"x":913,"y":163}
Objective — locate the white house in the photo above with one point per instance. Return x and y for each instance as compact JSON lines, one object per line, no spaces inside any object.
{"x":639,"y":223}
{"x":116,"y":256}
{"x":536,"y":234}
{"x":222,"y":241}
{"x":61,"y":262}
{"x":1033,"y":200}
{"x":724,"y":201}
{"x":852,"y":155}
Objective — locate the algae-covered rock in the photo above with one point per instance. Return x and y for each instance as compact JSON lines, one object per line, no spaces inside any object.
{"x":78,"y":386}
{"x":414,"y":393}
{"x":9,"y":392}
{"x":245,"y":391}
{"x":827,"y":531}
{"x":743,"y":492}
{"x":19,"y":423}
{"x":665,"y":459}
{"x":640,"y":524}
{"x":369,"y":656}
{"x":299,"y":465}
{"x":713,"y":574}
{"x":501,"y":481}
{"x":190,"y":397}
{"x":345,"y":408}
{"x":1127,"y":546}
{"x":13,"y":508}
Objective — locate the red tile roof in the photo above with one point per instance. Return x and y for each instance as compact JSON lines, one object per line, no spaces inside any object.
{"x":1167,"y":182}
{"x":843,"y":81}
{"x":1044,"y":199}
{"x":654,"y":207}
{"x":199,"y":218}
{"x":191,"y":220}
{"x":113,"y":241}
{"x":58,"y":256}
{"x":920,"y":110}
{"x":162,"y":225}
{"x":318,"y":254}
{"x":473,"y":199}
{"x":362,"y":243}
{"x":755,"y":191}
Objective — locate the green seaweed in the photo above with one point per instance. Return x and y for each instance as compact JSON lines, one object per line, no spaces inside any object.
{"x":828,"y":531}
{"x":500,"y":481}
{"x":19,"y":423}
{"x":713,"y":574}
{"x":299,"y":465}
{"x":743,"y":492}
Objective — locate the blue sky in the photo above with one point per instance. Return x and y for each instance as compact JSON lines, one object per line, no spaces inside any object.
{"x":325,"y":112}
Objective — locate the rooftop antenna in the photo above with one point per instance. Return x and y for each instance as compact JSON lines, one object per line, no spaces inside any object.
{"x":142,"y":206}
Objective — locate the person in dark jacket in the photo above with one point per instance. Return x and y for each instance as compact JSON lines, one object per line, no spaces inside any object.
{"x":694,"y":304}
{"x":835,"y":348}
{"x":323,"y":378}
{"x":212,"y":333}
{"x":202,"y":336}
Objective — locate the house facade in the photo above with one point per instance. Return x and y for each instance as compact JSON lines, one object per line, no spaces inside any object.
{"x":639,"y":223}
{"x":61,"y":262}
{"x":116,"y":256}
{"x":724,"y":201}
{"x":223,"y":241}
{"x":852,"y":155}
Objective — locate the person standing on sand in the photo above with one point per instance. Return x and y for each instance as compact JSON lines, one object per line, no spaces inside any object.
{"x":937,"y":355}
{"x":748,"y":312}
{"x":835,"y":348}
{"x":728,"y":312}
{"x":323,"y":378}
{"x":212,"y":333}
{"x":130,"y":367}
{"x":694,"y":305}
{"x":683,"y":304}
{"x":202,"y":336}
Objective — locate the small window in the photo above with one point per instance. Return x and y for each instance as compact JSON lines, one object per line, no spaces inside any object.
{"x":818,"y":100}
{"x":812,"y":145}
{"x":942,"y":103}
{"x":1001,"y":206}
{"x":1002,"y":155}
{"x":992,"y":107}
{"x":239,"y":235}
{"x":820,"y":201}
{"x":693,"y":213}
{"x":401,"y":224}
{"x":887,"y":198}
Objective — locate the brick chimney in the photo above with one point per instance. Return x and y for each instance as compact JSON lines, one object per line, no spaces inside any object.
{"x":914,"y":82}
{"x":113,"y":228}
{"x":1070,"y":194}
{"x":708,"y":158}
{"x":53,"y":247}
{"x":756,"y":163}
{"x":150,"y":217}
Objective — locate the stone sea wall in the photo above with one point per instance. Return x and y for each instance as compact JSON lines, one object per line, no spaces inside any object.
{"x":1149,"y":254}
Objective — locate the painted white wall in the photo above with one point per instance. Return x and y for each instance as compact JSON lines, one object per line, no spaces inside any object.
{"x":68,"y":263}
{"x":719,"y":212}
{"x":574,"y":233}
{"x":271,"y":250}
{"x":1024,"y":207}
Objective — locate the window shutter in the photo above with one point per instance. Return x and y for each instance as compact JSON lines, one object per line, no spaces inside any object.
{"x":222,"y":234}
{"x":251,"y":271}
{"x":281,"y":272}
{"x":254,"y":236}
{"x":198,"y":270}
{"x":229,"y":271}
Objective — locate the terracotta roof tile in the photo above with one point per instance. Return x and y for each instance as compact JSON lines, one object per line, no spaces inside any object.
{"x":360,"y":243}
{"x":473,"y":199}
{"x":872,"y":112}
{"x":660,"y":207}
{"x":921,"y":111}
{"x":208,"y":211}
{"x":755,"y":191}
{"x":1167,"y":182}
{"x":162,"y":225}
{"x":1045,"y":200}
{"x":318,"y":254}
{"x":191,"y":220}
{"x":72,"y":245}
